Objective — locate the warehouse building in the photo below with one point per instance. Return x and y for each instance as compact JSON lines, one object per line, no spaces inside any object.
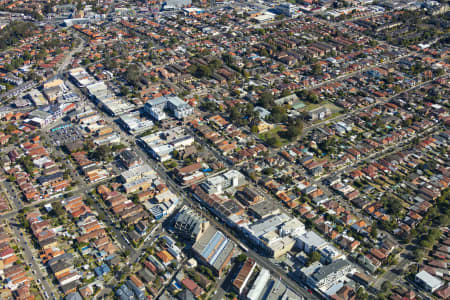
{"x":214,"y":249}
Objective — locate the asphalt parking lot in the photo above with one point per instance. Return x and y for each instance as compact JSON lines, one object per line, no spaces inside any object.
{"x":65,"y":135}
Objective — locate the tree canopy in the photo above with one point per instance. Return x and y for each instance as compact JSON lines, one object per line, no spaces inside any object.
{"x":266,"y":100}
{"x":14,"y":32}
{"x":132,"y":74}
{"x":294,"y":129}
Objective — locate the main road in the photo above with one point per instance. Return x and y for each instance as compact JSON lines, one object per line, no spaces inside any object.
{"x":264,"y":262}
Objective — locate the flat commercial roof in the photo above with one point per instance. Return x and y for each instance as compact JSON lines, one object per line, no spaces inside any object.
{"x":429,"y":279}
{"x":313,"y":239}
{"x":265,"y":208}
{"x":214,"y":247}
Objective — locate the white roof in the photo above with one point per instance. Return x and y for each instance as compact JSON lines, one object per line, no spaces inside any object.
{"x":293,"y":225}
{"x":97,"y":87}
{"x":259,"y":285}
{"x":429,"y":279}
{"x":282,"y":243}
{"x":267,"y":225}
{"x":143,"y":170}
{"x":313,"y":239}
{"x":193,"y":9}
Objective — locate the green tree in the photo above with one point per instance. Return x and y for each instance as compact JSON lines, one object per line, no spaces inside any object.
{"x":124,"y":90}
{"x":235,"y":114}
{"x":58,"y":209}
{"x":268,"y":171}
{"x":227,"y":58}
{"x":391,"y":259}
{"x":27,"y":164}
{"x":418,"y":255}
{"x":316,"y":69}
{"x":443,"y":219}
{"x":117,"y":147}
{"x":14,"y":32}
{"x":203,"y":71}
{"x":264,"y":52}
{"x":374,"y":231}
{"x":278,"y":114}
{"x":102,"y":153}
{"x":308,"y":96}
{"x":266,"y":99}
{"x":386,"y":286}
{"x":294,"y":129}
{"x":381,"y":297}
{"x":392,"y":205}
{"x":207,"y":271}
{"x":132,"y":74}
{"x":10,"y":128}
{"x":241,"y":258}
{"x":361,"y":294}
{"x":313,"y":257}
{"x":254,"y":129}
{"x":285,"y":93}
{"x":274,"y":141}
{"x":208,"y":106}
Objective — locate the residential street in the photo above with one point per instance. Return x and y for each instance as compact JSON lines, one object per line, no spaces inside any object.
{"x":31,"y":259}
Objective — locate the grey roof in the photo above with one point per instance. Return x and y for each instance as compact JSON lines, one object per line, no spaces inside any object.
{"x":313,"y":239}
{"x":39,"y":114}
{"x":64,"y":257}
{"x":268,"y":224}
{"x":74,"y":296}
{"x":189,"y":222}
{"x":129,"y":155}
{"x":326,"y":270}
{"x":146,"y":275}
{"x":279,"y":291}
{"x":265,"y":208}
{"x":214,"y":247}
{"x":155,"y":102}
{"x":186,"y":295}
{"x":61,"y":265}
{"x":70,"y":286}
{"x":46,"y":178}
{"x":174,"y":100}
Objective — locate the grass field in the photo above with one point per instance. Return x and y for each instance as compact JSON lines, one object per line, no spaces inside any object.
{"x":334,"y":109}
{"x":273,"y":133}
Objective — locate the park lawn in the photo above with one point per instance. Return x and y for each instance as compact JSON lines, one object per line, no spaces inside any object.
{"x":273,"y":132}
{"x":311,"y":106}
{"x":335,"y":110}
